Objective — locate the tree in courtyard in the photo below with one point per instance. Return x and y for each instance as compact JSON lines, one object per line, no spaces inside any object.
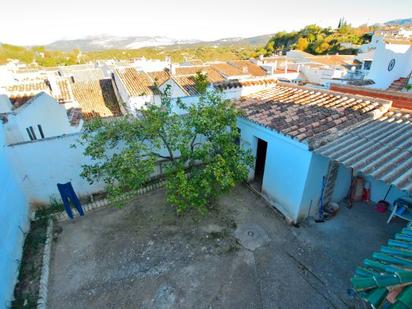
{"x":196,"y":146}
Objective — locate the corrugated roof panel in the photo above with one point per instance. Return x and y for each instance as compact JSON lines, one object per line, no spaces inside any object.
{"x":381,"y":148}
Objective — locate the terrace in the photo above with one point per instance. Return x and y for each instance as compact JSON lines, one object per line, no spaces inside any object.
{"x":241,"y":255}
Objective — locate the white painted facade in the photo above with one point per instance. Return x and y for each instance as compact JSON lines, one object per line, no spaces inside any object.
{"x":39,"y":165}
{"x":43,"y":116}
{"x":391,"y":61}
{"x":151,"y":65}
{"x":175,"y":90}
{"x":14,"y":222}
{"x":131,"y":103}
{"x":321,"y":75}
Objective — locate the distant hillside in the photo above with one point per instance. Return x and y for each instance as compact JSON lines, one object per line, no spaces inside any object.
{"x":400,"y":22}
{"x":105,"y":42}
{"x":102,"y":42}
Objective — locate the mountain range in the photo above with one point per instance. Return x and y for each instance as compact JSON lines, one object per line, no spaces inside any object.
{"x":400,"y":22}
{"x":101,"y":42}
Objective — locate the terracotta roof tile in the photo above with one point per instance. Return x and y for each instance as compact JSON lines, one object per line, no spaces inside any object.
{"x":249,"y":67}
{"x":312,"y":116}
{"x":141,"y":83}
{"x":244,"y":83}
{"x":96,"y":98}
{"x":213,"y":75}
{"x":28,"y":88}
{"x":229,"y":70}
{"x":66,"y":94}
{"x":159,"y":77}
{"x":380,"y":148}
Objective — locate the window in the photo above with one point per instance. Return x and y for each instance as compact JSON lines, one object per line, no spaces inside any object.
{"x":367,"y":65}
{"x":32,"y":133}
{"x":29,"y":134}
{"x":40,"y":131}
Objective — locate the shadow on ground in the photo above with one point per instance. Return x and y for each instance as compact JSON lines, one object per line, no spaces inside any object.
{"x":242,"y":255}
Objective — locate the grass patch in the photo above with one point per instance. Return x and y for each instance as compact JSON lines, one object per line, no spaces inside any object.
{"x":45,"y":212}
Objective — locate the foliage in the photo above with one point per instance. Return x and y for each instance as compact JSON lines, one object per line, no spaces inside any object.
{"x":203,"y":53}
{"x":196,"y":148}
{"x":317,"y":40}
{"x":39,"y":55}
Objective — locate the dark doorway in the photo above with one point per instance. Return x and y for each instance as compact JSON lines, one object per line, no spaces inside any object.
{"x":260,"y":163}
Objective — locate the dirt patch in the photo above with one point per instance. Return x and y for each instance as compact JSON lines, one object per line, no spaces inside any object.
{"x":242,"y":254}
{"x":27,"y":288}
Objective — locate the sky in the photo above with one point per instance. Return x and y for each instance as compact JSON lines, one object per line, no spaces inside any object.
{"x":29,"y":22}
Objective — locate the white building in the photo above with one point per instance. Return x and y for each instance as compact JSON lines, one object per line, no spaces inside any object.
{"x":384,"y":63}
{"x":392,"y":61}
{"x":40,"y":117}
{"x":134,"y":89}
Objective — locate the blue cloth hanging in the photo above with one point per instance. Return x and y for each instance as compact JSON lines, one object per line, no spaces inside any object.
{"x":67,"y":194}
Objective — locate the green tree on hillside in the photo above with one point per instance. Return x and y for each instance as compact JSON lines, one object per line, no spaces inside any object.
{"x":317,"y":40}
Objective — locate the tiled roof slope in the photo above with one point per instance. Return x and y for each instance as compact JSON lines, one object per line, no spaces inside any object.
{"x":86,"y":75}
{"x":65,"y":91}
{"x":213,"y":75}
{"x":28,"y":88}
{"x":159,"y":77}
{"x":228,"y":70}
{"x":141,"y":83}
{"x":381,"y":148}
{"x":187,"y":83}
{"x":235,"y":83}
{"x":21,"y":92}
{"x":248,"y":67}
{"x":309,"y":115}
{"x":96,"y":98}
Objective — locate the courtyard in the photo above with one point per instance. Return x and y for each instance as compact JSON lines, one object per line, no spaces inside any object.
{"x":242,"y":254}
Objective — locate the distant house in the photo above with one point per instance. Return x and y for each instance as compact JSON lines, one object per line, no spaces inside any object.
{"x":229,"y":71}
{"x":392,"y":61}
{"x":182,"y":84}
{"x":281,"y":67}
{"x":38,"y":118}
{"x":135,"y":89}
{"x":385,"y":63}
{"x":283,"y":125}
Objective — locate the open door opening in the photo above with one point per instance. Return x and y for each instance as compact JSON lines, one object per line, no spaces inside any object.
{"x":260,"y":164}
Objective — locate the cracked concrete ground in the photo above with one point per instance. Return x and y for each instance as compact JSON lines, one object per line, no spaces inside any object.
{"x":241,"y":255}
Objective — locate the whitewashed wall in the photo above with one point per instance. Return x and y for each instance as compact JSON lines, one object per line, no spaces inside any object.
{"x":14,"y":221}
{"x":383,"y":55}
{"x":40,"y":165}
{"x":43,"y":110}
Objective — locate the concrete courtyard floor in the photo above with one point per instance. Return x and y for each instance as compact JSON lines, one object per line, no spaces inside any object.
{"x":241,"y":255}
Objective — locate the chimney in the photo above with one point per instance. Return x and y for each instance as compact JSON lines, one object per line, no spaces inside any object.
{"x":172,"y":69}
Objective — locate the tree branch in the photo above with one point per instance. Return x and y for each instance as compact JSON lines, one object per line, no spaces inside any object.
{"x":160,"y":156}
